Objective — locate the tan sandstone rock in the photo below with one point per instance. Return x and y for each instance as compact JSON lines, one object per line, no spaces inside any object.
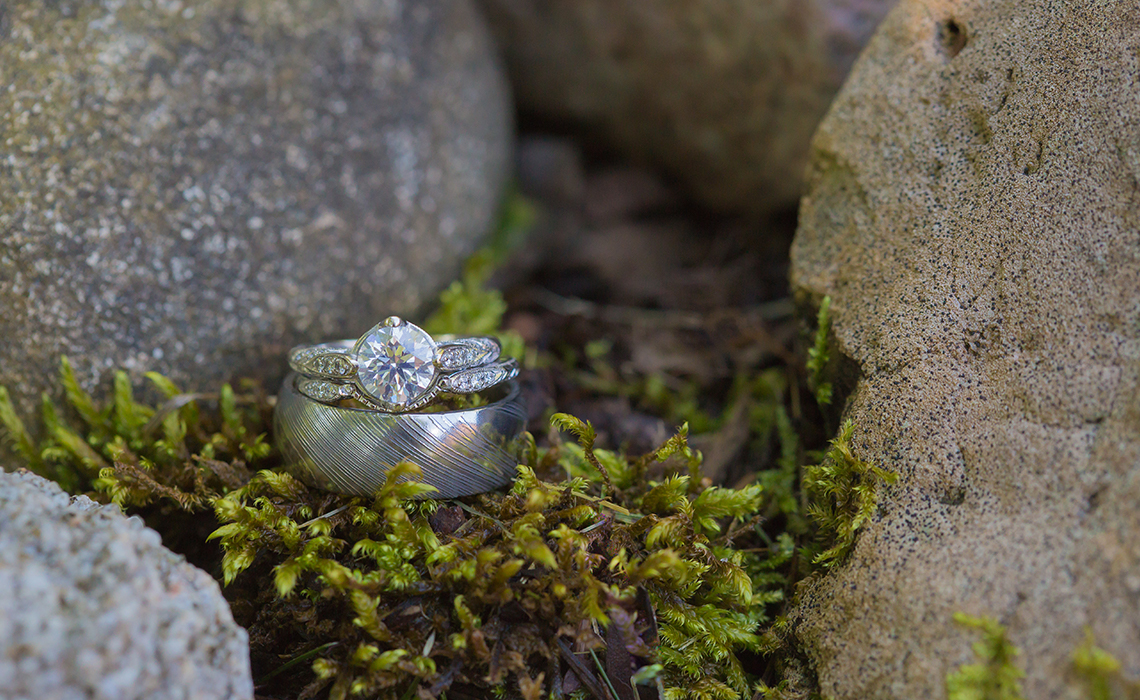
{"x":723,"y":94}
{"x":973,"y":208}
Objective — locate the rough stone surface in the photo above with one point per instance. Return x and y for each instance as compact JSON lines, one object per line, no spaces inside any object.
{"x":724,"y":94}
{"x":973,"y":209}
{"x":193,"y":187}
{"x":94,"y":607}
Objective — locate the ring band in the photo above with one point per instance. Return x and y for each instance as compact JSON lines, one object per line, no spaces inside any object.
{"x":350,"y":450}
{"x":397,"y":367}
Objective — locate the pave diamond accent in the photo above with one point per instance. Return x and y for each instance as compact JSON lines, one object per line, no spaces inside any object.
{"x":396,"y":364}
{"x":468,"y":352}
{"x":323,"y":390}
{"x":337,"y":365}
{"x":323,"y":361}
{"x":480,"y":378}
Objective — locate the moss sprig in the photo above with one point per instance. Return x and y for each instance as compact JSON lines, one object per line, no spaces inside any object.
{"x":469,"y":306}
{"x":996,"y":676}
{"x":819,"y":355}
{"x":1100,"y":672}
{"x":842,"y":492}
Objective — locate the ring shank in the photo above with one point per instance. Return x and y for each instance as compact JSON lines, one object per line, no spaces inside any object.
{"x":350,"y":450}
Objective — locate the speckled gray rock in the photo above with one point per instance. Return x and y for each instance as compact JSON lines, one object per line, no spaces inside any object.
{"x":194,"y":186}
{"x":973,"y":211}
{"x":92,"y":606}
{"x":724,"y":94}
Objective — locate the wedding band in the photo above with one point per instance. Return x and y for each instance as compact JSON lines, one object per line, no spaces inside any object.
{"x":350,"y":450}
{"x":396,"y":367}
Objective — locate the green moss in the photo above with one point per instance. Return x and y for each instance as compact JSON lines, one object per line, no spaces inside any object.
{"x":995,"y":676}
{"x":515,"y":581}
{"x":592,"y":370}
{"x":771,"y":425}
{"x":16,"y":434}
{"x":1100,"y":670}
{"x":135,"y":454}
{"x":380,"y":599}
{"x":842,"y":492}
{"x":819,"y":355}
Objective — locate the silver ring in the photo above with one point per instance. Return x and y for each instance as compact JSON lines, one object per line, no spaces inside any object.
{"x":396,"y":367}
{"x":350,"y":450}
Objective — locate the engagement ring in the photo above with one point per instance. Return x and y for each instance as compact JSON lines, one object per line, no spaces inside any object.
{"x":397,"y":367}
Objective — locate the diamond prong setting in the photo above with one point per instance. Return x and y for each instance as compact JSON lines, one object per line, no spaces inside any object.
{"x":396,"y":364}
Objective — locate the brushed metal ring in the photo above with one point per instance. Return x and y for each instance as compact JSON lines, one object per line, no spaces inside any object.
{"x":350,"y":450}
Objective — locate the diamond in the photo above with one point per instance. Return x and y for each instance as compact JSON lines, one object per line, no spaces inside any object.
{"x":396,"y":364}
{"x":458,"y":356}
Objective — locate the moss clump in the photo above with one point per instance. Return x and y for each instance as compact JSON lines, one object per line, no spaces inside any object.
{"x":842,"y":492}
{"x":469,"y":306}
{"x":133,"y":453}
{"x":521,"y":588}
{"x":996,"y":676}
{"x":1096,"y":666}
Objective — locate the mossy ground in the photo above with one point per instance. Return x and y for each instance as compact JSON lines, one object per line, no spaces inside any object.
{"x":604,"y":568}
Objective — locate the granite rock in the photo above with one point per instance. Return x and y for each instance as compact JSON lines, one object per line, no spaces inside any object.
{"x":94,"y":607}
{"x":723,"y":95}
{"x":972,"y":209}
{"x":195,"y":186}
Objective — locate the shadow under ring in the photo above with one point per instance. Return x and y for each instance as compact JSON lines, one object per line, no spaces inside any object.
{"x":350,"y":450}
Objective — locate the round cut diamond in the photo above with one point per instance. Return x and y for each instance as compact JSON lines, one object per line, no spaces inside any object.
{"x":396,"y":364}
